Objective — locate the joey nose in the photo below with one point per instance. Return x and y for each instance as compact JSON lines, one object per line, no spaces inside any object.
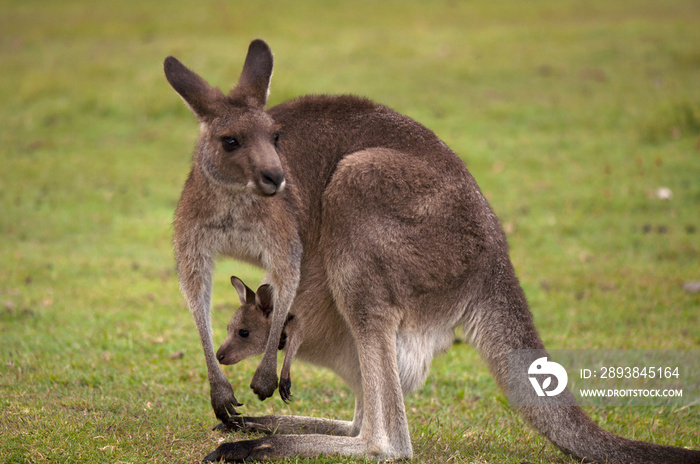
{"x":272,"y":181}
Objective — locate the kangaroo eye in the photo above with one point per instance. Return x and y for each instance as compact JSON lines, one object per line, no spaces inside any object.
{"x":229,"y":144}
{"x":276,"y":137}
{"x":243,"y":333}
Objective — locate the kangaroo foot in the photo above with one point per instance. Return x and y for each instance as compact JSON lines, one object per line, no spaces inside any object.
{"x":239,"y":451}
{"x":244,"y":425}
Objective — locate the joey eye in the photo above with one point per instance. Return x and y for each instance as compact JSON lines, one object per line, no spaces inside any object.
{"x":276,"y":137}
{"x":229,"y":144}
{"x":243,"y":333}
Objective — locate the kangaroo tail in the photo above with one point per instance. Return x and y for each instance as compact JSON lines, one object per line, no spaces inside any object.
{"x":505,"y":324}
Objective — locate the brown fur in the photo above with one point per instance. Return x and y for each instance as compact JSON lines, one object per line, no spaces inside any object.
{"x":247,"y":333}
{"x":376,"y":236}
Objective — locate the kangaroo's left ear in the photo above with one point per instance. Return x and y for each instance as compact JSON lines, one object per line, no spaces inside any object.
{"x":264,"y":299}
{"x":245,"y":294}
{"x":254,"y":84}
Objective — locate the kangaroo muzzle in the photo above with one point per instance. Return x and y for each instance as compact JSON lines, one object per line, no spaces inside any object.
{"x":271,"y":181}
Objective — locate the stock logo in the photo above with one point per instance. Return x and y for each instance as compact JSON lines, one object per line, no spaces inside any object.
{"x":541,"y":368}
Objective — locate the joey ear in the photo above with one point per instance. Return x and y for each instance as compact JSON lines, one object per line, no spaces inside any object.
{"x":194,"y":90}
{"x":264,"y":299}
{"x":245,"y":294}
{"x":254,"y":83}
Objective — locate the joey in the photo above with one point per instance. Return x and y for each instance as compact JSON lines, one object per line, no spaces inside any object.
{"x":249,"y":329}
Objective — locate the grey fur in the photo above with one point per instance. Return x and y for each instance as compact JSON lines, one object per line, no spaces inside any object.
{"x":372,"y":231}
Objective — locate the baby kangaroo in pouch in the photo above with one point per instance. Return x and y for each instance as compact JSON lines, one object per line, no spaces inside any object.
{"x":374,"y":234}
{"x":249,"y":328}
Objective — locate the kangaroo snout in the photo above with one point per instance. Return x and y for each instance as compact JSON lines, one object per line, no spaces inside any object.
{"x":222,"y":355}
{"x":271,"y":181}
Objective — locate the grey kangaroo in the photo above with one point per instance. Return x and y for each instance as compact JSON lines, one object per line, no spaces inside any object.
{"x":249,"y":328}
{"x":372,"y":231}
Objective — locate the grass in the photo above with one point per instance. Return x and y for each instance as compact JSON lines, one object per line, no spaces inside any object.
{"x":570,"y":116}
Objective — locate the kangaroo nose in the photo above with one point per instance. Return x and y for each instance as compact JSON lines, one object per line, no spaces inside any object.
{"x":272,"y":182}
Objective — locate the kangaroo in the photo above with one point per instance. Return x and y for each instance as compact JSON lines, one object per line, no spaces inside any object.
{"x":373,"y":232}
{"x":249,"y":328}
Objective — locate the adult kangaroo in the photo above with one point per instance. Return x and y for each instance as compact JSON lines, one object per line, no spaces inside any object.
{"x":372,"y":231}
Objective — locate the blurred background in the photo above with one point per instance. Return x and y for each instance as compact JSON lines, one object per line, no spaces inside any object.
{"x":579,"y":120}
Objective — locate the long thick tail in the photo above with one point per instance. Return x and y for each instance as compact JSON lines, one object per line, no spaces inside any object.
{"x":505,"y":324}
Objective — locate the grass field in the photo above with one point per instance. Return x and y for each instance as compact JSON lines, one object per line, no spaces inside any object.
{"x":571,"y":116}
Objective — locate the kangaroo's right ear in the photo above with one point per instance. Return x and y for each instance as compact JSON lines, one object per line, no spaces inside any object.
{"x":245,"y":294}
{"x":254,"y":83}
{"x":199,"y":96}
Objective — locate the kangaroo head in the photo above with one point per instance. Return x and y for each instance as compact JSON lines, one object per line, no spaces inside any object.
{"x":237,"y":144}
{"x":250,"y":326}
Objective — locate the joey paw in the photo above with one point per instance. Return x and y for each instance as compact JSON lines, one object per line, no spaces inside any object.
{"x":286,"y":389}
{"x":264,"y":383}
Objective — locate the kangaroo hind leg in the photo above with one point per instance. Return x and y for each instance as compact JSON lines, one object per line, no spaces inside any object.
{"x":384,"y":429}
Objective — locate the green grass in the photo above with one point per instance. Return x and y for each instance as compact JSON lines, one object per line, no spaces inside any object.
{"x":570,"y":115}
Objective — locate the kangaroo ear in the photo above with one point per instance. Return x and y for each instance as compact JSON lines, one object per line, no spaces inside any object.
{"x":194,"y":90}
{"x":254,"y":84}
{"x":264,"y":299}
{"x":245,"y":294}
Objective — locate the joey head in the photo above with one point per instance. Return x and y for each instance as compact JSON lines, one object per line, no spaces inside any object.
{"x":248,"y":331}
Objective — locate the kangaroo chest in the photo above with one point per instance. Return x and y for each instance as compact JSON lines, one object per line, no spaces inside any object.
{"x":236,"y":229}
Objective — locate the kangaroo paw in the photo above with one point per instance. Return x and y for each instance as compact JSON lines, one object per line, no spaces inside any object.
{"x":286,"y":389}
{"x":264,"y":382}
{"x":223,"y":401}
